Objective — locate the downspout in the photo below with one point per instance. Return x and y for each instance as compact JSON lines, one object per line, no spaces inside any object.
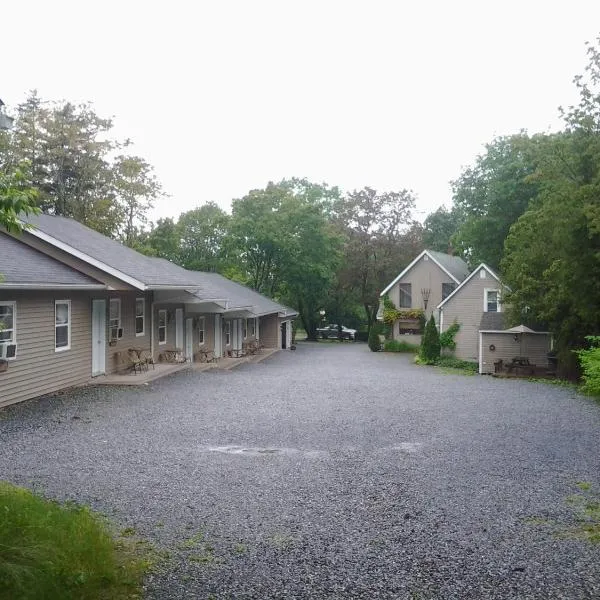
{"x":152,"y":327}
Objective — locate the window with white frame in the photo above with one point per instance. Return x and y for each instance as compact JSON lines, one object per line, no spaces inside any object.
{"x":245,"y":328}
{"x":491,"y":301}
{"x":62,"y":325}
{"x":405,"y":295}
{"x":252,"y":327}
{"x":114,"y":319}
{"x":227,"y":333}
{"x":162,"y":327}
{"x":140,"y":317}
{"x":8,"y":322}
{"x":201,"y":329}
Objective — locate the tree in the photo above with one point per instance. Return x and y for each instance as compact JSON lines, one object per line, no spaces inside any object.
{"x":203,"y":236}
{"x":380,"y":236}
{"x":16,"y":198}
{"x":163,"y":240}
{"x":552,"y":253}
{"x":439,"y":228}
{"x":491,"y":195}
{"x":136,"y":188}
{"x":429,"y":352}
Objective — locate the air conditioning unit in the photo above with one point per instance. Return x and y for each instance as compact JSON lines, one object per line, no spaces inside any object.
{"x":116,"y":334}
{"x":8,"y":351}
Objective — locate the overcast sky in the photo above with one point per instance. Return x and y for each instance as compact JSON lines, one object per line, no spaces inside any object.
{"x":222,"y":97}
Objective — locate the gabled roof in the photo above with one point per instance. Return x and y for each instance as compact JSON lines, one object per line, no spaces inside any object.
{"x":461,"y":286}
{"x":25,"y":267}
{"x":492,"y":321}
{"x":146,"y":272}
{"x":456,"y":268}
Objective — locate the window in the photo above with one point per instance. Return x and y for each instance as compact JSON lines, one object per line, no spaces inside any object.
{"x":114,"y":319}
{"x":8,"y":322}
{"x":62,"y":325}
{"x":252,"y":327}
{"x":227,"y":333}
{"x":140,"y":317}
{"x":201,"y":331}
{"x":491,"y":301}
{"x":447,"y":289}
{"x":245,"y":328}
{"x":405,"y":295}
{"x":162,"y":326}
{"x":482,"y":274}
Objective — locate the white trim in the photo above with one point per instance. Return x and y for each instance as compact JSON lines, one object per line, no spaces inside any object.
{"x":245,"y":328}
{"x":68,"y":324}
{"x":85,"y":257}
{"x":412,"y":264}
{"x":110,"y":318}
{"x":441,"y":319}
{"x":54,"y":286}
{"x":481,"y":353}
{"x":486,"y":291}
{"x":143,"y":332}
{"x":201,"y":320}
{"x":515,"y":332}
{"x":475,"y":272}
{"x":13,"y":339}
{"x":227,"y":333}
{"x":166,"y":326}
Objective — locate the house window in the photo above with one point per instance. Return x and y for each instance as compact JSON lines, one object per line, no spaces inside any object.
{"x":140,"y":317}
{"x":245,"y":328}
{"x":405,"y":295}
{"x":227,"y":333}
{"x":201,"y":331}
{"x":491,"y":301}
{"x":447,"y":289}
{"x":62,"y":325}
{"x":114,"y":319}
{"x":252,"y":327}
{"x":8,"y":322}
{"x":482,"y":274}
{"x":162,"y":326}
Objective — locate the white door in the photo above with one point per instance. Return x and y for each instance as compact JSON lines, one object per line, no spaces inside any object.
{"x":179,"y":328}
{"x":98,"y":337}
{"x":189,"y":340}
{"x":218,"y":337}
{"x":237,"y":334}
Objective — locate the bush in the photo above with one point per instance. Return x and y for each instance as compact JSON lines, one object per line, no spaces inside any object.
{"x":455,"y":363}
{"x":429,"y":351}
{"x":362,"y":336}
{"x":590,"y":364}
{"x":447,"y":337}
{"x":399,"y":346}
{"x":374,"y":343}
{"x":54,"y":551}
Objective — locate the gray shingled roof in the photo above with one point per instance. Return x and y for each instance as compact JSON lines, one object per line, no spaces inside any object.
{"x":152,"y":271}
{"x":453,"y":264}
{"x":493,"y":321}
{"x":23,"y":265}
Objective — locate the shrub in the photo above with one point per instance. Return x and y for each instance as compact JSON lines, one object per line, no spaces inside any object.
{"x":54,"y":551}
{"x":455,"y":363}
{"x":374,"y":343}
{"x":429,"y":351}
{"x":590,"y":363}
{"x":447,"y":337}
{"x":400,"y":346}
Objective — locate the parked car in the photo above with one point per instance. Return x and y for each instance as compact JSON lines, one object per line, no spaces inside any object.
{"x":332,"y":332}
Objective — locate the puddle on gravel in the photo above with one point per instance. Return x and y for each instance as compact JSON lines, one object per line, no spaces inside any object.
{"x":249,"y":451}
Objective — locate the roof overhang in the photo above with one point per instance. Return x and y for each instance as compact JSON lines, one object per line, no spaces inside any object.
{"x":508,"y":332}
{"x":53,"y":286}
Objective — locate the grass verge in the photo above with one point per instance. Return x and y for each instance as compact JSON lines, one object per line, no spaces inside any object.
{"x":400,"y":346}
{"x":449,"y":364}
{"x":63,"y":551}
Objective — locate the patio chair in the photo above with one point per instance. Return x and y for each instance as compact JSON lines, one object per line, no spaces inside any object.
{"x":146,"y":358}
{"x":136,"y":363}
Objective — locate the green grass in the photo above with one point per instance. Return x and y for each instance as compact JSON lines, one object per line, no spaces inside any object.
{"x":63,"y":551}
{"x":449,"y":362}
{"x":400,"y":346}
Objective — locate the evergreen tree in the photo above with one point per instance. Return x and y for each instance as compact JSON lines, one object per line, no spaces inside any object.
{"x":430,"y":349}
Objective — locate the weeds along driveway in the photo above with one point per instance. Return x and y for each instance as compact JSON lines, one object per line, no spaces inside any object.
{"x":330,"y":472}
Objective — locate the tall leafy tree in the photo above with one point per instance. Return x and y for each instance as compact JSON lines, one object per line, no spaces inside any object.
{"x":380,"y":236}
{"x":552,"y":259}
{"x":440,"y":227}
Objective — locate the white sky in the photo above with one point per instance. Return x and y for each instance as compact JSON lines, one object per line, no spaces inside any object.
{"x":224,"y":96}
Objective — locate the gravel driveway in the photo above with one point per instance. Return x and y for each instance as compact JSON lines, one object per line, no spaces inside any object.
{"x":330,"y":472}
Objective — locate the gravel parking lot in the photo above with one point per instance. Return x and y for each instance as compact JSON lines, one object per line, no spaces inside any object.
{"x":330,"y":472}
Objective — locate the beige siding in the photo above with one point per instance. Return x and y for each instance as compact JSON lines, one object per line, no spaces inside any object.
{"x":38,"y":368}
{"x":534,"y":346}
{"x":170,"y":343}
{"x":466,"y":307}
{"x":269,"y":332}
{"x":425,"y":275}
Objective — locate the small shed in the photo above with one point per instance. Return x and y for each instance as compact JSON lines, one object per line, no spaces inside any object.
{"x":506,"y":344}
